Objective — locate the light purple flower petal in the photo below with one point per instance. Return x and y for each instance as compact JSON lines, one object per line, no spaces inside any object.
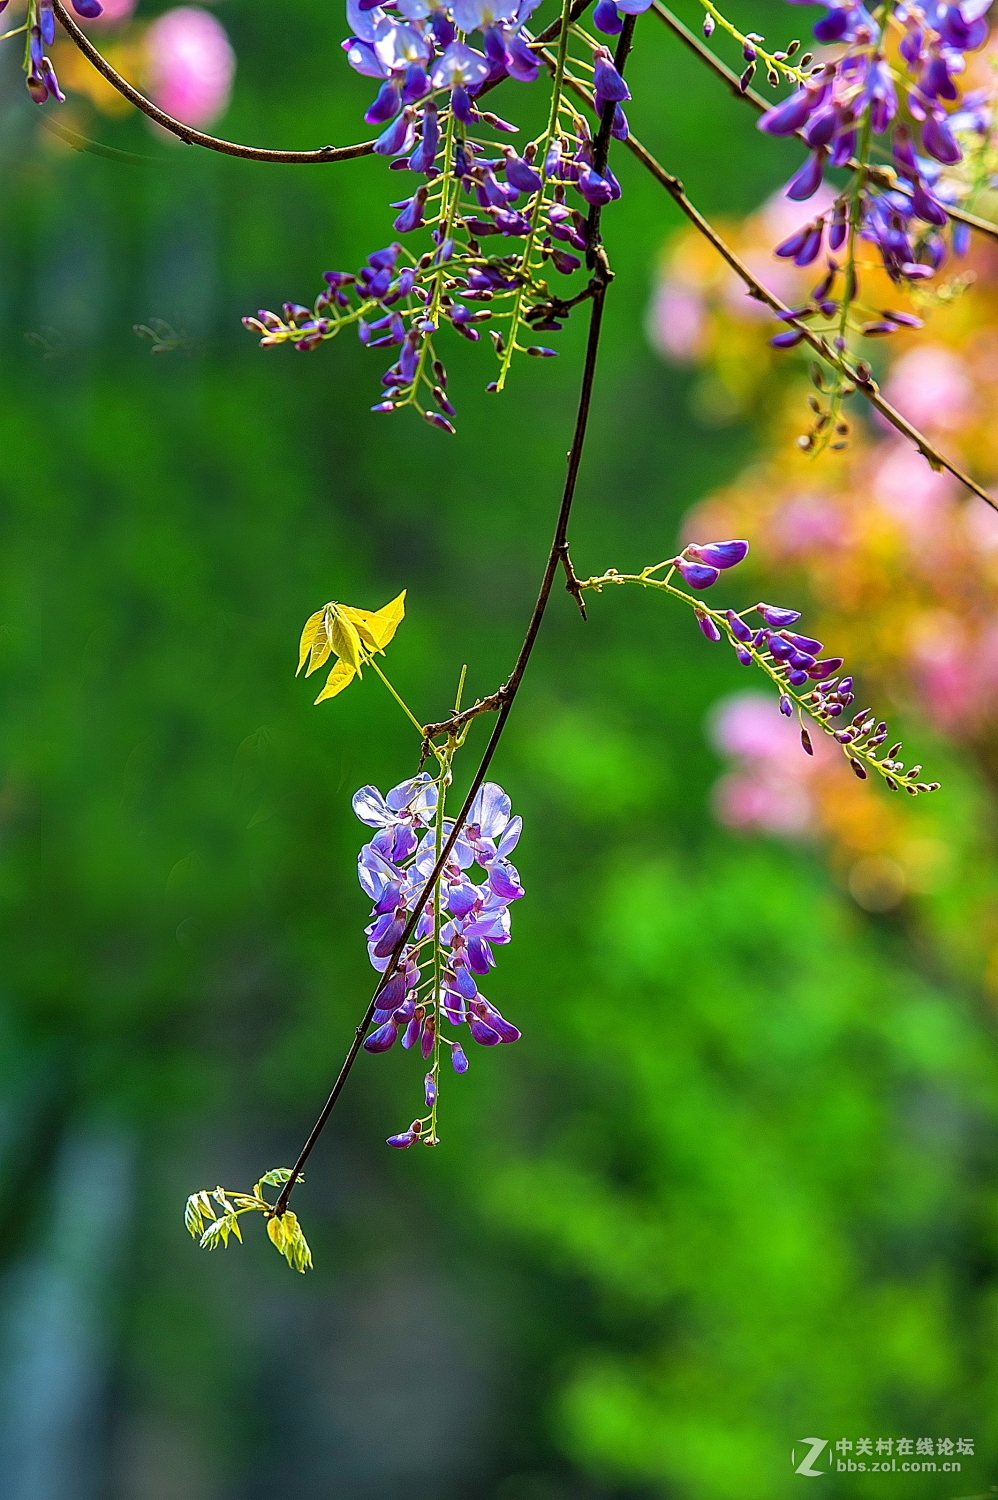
{"x":505,"y":881}
{"x":490,"y":810}
{"x":510,"y":838}
{"x":364,"y":23}
{"x":460,"y":66}
{"x":371,"y":808}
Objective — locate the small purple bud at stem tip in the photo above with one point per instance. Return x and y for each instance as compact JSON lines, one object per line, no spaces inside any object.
{"x":777,"y":617}
{"x":698,"y":575}
{"x":718,"y":554}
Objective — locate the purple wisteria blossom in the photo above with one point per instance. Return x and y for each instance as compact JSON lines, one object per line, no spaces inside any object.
{"x":809,"y":682}
{"x":845,"y":103}
{"x":40,"y":77}
{"x":497,"y":219}
{"x":436,"y":984}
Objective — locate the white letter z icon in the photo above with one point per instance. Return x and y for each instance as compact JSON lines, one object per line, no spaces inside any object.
{"x":804,"y":1467}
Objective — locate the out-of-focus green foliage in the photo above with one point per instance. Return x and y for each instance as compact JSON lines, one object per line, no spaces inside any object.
{"x":737,"y":1182}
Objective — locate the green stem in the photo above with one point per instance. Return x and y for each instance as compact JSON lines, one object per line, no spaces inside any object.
{"x":400,"y":701}
{"x":549,"y":135}
{"x":450,"y":195}
{"x":796,"y":75}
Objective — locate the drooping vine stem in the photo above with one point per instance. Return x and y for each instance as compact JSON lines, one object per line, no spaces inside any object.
{"x":187,"y":132}
{"x":558,"y":556}
{"x":216,"y":143}
{"x":859,"y":375}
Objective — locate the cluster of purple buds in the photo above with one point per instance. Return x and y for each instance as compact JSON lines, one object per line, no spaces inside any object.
{"x":794,"y":662}
{"x":821,"y":312}
{"x":795,"y":657}
{"x":865,"y":735}
{"x":39,"y":72}
{"x":387,"y":307}
{"x":842,"y":98}
{"x":474,"y":918}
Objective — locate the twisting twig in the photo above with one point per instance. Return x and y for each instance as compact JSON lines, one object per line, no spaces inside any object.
{"x":886,"y":176}
{"x":217,"y":143}
{"x":457,"y":722}
{"x":187,"y":132}
{"x":558,"y":556}
{"x":859,"y":375}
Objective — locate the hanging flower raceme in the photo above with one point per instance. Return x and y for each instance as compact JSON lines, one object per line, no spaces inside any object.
{"x":809,"y":683}
{"x":434,"y":984}
{"x":895,"y":79}
{"x":494,"y":219}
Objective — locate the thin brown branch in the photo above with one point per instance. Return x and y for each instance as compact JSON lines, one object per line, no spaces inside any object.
{"x":233,"y":148}
{"x":885,"y":175}
{"x":858,"y":374}
{"x":556,"y":558}
{"x":187,"y":132}
{"x":457,"y":722}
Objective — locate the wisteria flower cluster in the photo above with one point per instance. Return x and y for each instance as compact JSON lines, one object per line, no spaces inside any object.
{"x":435,"y":976}
{"x":39,"y":35}
{"x":893,"y":77}
{"x":791,"y":661}
{"x":497,"y":217}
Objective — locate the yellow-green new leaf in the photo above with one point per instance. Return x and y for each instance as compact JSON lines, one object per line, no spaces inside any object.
{"x":340,"y":677}
{"x":198,"y":1209}
{"x":346,"y":641}
{"x":286,"y":1234}
{"x":322,"y":646}
{"x":218,"y":1233}
{"x":313,"y":625}
{"x":278,"y":1175}
{"x":376,"y":627}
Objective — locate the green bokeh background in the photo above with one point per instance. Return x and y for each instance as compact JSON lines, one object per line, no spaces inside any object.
{"x":737,"y":1183}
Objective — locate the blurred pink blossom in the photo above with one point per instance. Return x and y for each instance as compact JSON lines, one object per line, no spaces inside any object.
{"x":805,"y":522}
{"x":755,"y":799}
{"x":914,"y":494}
{"x":771,"y":787}
{"x":677,"y":321}
{"x":981,"y":525}
{"x":956,"y":671}
{"x":191,"y":65}
{"x":931,"y":387}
